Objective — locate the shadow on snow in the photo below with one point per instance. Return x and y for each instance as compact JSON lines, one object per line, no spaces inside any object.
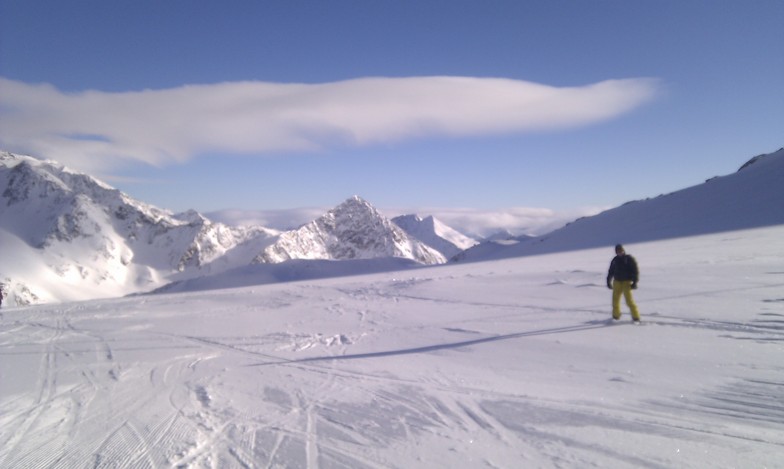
{"x":452,"y":345}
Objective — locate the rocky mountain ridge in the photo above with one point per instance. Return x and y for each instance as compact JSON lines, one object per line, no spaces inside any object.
{"x":352,"y":230}
{"x":65,"y":235}
{"x":94,"y":239}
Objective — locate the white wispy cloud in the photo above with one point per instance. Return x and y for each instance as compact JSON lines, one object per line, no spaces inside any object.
{"x":515,"y":220}
{"x":470,"y":221}
{"x":95,"y":129}
{"x":278,"y":219}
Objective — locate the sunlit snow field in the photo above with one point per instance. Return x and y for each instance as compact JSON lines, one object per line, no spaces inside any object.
{"x":503,"y":364}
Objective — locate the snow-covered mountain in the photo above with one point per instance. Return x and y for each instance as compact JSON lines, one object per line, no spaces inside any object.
{"x":68,"y":236}
{"x":435,"y":234}
{"x":352,"y":230}
{"x":65,"y":235}
{"x":749,"y":198}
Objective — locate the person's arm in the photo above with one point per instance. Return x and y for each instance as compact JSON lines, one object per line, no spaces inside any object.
{"x":610,"y":274}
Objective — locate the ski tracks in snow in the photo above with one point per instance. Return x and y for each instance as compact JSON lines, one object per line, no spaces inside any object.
{"x":359,"y":382}
{"x":82,"y":394}
{"x":56,"y":400}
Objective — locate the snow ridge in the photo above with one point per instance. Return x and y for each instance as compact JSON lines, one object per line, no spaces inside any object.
{"x":435,"y":234}
{"x":752,"y":197}
{"x":353,"y":230}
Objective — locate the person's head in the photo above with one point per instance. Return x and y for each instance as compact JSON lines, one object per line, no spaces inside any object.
{"x":619,"y":249}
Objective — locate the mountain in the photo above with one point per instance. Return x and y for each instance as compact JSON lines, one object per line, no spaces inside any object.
{"x":68,"y":236}
{"x":749,"y":198}
{"x":503,"y":235}
{"x":435,"y":234}
{"x":352,"y":230}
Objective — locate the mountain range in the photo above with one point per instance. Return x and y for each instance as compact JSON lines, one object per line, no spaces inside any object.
{"x":66,"y":236}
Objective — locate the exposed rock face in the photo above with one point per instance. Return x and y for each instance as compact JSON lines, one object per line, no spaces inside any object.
{"x":95,"y":238}
{"x":352,"y":230}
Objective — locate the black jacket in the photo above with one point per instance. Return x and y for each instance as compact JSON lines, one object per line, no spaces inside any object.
{"x":623,"y":267}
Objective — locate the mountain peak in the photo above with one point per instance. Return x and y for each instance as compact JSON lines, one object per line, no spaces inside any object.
{"x":355,"y":203}
{"x":763,"y":157}
{"x":352,"y":230}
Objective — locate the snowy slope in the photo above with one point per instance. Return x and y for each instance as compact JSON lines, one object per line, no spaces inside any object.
{"x":435,"y":234}
{"x":501,"y":364}
{"x":352,"y":230}
{"x":74,"y":237}
{"x":289,"y":271}
{"x":751,"y":197}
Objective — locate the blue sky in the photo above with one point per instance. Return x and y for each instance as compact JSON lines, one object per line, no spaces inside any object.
{"x":170,"y":100}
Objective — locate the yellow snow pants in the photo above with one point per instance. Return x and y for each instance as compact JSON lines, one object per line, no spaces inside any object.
{"x":623,"y":287}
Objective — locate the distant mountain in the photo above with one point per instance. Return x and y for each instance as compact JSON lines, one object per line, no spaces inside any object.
{"x":65,"y":235}
{"x":435,"y":234}
{"x":493,"y":248}
{"x":352,"y":230}
{"x":505,"y":235}
{"x":749,"y":198}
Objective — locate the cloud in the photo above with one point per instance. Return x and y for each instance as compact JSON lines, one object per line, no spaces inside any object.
{"x":470,"y":221}
{"x":515,"y":220}
{"x":278,"y":219}
{"x":95,"y":129}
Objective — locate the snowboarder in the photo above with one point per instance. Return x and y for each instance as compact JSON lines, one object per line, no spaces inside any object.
{"x":1,"y":296}
{"x":622,"y":278}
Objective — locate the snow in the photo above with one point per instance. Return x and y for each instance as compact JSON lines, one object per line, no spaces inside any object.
{"x":510,"y":360}
{"x":749,"y":198}
{"x":73,"y":237}
{"x":505,"y":363}
{"x":435,"y":234}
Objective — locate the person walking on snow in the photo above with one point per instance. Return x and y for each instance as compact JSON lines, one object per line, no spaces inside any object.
{"x":622,"y":278}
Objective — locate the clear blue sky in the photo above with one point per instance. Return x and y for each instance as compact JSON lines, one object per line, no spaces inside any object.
{"x":711,"y":74}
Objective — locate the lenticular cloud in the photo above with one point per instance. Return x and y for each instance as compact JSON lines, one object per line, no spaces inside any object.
{"x":94,"y":128}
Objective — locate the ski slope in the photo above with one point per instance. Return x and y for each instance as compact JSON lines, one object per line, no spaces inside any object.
{"x":503,"y":364}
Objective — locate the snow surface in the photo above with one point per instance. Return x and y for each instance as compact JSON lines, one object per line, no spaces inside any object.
{"x":502,"y":364}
